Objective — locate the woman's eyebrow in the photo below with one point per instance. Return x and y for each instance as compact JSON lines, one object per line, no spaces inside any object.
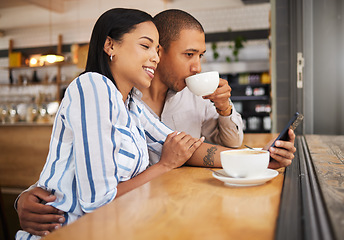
{"x":148,"y":38}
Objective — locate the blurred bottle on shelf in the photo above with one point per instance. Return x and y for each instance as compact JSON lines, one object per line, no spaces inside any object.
{"x":265,"y":79}
{"x":267,"y":123}
{"x":13,"y":113}
{"x":254,"y":79}
{"x":3,"y":113}
{"x":249,"y":91}
{"x":35,"y":78}
{"x":11,"y":78}
{"x":254,"y":123}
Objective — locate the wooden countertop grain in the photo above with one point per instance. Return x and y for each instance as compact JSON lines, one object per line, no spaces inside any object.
{"x":327,"y":154}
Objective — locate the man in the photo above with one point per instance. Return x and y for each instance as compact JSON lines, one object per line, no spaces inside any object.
{"x":182,"y":41}
{"x":182,"y":45}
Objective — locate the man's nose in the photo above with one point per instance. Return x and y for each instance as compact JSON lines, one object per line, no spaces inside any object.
{"x":196,"y":67}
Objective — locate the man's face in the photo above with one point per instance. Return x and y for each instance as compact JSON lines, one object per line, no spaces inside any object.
{"x":182,"y":59}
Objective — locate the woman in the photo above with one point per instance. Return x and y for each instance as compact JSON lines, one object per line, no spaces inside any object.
{"x":100,"y":132}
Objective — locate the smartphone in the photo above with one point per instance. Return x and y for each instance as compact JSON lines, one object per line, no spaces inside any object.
{"x":292,"y":124}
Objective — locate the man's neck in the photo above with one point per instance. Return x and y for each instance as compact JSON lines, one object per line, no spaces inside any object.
{"x":155,"y":95}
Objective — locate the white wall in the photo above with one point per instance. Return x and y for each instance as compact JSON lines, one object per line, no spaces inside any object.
{"x":28,"y":25}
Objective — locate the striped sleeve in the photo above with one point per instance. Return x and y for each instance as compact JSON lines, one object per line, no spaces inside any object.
{"x":90,"y":118}
{"x":156,"y":133}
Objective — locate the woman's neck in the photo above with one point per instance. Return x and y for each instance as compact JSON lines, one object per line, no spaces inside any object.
{"x":124,"y":87}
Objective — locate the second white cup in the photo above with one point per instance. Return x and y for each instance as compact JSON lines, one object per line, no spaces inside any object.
{"x":245,"y":163}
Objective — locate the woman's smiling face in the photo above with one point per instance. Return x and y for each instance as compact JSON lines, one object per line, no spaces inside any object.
{"x":135,"y":57}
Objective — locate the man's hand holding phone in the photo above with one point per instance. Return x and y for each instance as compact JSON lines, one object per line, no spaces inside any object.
{"x":282,"y":149}
{"x":283,"y":153}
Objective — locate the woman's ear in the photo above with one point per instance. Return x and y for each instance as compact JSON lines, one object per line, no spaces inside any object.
{"x":108,"y":46}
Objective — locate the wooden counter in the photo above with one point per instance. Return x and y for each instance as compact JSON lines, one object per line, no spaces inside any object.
{"x":312,"y":198}
{"x":185,"y":203}
{"x":188,"y":203}
{"x":327,"y":154}
{"x":23,"y":150}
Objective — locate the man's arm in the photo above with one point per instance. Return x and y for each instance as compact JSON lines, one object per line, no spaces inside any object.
{"x":208,"y":155}
{"x":35,"y":217}
{"x":223,"y":130}
{"x":223,"y":124}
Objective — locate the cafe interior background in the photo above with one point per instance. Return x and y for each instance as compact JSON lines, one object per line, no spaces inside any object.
{"x":279,"y":57}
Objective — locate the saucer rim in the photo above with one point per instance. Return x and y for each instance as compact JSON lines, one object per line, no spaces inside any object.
{"x":268,"y":175}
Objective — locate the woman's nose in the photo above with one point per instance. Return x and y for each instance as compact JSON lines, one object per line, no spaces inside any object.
{"x":155,"y":58}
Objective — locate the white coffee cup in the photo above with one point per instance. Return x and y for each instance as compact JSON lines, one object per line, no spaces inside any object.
{"x":245,"y":163}
{"x":203,"y":84}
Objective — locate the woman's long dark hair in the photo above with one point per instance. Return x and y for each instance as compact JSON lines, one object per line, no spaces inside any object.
{"x":113,"y":23}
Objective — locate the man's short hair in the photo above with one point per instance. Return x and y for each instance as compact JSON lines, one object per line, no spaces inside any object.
{"x":171,"y":22}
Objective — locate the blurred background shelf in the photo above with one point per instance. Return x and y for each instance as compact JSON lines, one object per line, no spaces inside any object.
{"x":237,"y":67}
{"x":249,"y":98}
{"x":251,"y":91}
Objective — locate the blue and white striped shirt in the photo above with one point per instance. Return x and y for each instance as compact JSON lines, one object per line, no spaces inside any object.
{"x":97,"y":141}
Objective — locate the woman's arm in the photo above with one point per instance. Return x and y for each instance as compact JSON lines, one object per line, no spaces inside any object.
{"x":93,"y":113}
{"x":177,"y":149}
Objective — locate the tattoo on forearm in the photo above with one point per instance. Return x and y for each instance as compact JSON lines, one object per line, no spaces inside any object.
{"x":209,"y":159}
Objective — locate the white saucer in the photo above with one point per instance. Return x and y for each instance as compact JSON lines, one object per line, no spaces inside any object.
{"x":245,"y":182}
